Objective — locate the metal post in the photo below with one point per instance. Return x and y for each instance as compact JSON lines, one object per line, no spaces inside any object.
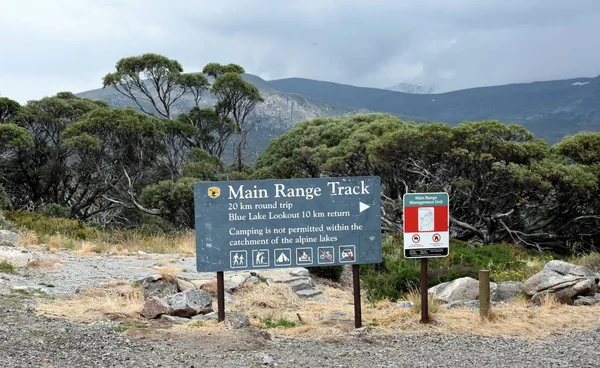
{"x":484,"y":294}
{"x":356,"y":283}
{"x":424,"y":291}
{"x":221,"y":296}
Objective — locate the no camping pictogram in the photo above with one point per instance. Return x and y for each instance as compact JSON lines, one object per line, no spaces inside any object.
{"x":436,"y":238}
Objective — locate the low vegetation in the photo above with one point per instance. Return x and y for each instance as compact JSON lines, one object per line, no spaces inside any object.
{"x":397,"y":275}
{"x":7,"y":267}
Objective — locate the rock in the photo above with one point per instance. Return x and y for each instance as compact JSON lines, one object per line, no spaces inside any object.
{"x":214,"y":316}
{"x":200,"y":283}
{"x":587,"y":300}
{"x":184,"y":285}
{"x":19,"y":257}
{"x":234,"y":282}
{"x":308,"y":294}
{"x":405,"y":305}
{"x":28,"y":288}
{"x":228,"y":297}
{"x":266,"y":359}
{"x":9,"y":238}
{"x":154,"y":306}
{"x":564,"y":280}
{"x":507,"y":291}
{"x":252,"y":280}
{"x":190,"y":312}
{"x":471,"y":304}
{"x":464,"y":288}
{"x":300,"y":272}
{"x":160,"y":288}
{"x":235,"y":320}
{"x":304,"y":284}
{"x":291,"y":280}
{"x":175,"y":319}
{"x":189,"y":303}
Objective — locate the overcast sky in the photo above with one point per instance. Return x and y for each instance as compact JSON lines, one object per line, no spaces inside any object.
{"x":69,"y":45}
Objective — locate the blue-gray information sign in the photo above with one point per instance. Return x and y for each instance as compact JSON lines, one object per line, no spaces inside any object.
{"x":253,"y":224}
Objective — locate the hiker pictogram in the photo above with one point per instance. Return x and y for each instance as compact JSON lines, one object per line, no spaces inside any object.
{"x":238,"y":258}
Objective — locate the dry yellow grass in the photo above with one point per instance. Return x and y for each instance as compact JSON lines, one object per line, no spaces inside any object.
{"x":168,"y":272}
{"x":187,"y":245}
{"x":277,"y":302}
{"x":85,"y":248}
{"x":55,"y":243}
{"x":118,"y":301}
{"x":29,"y":239}
{"x":519,"y":319}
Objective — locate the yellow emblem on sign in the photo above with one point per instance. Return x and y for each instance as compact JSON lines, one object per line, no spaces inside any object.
{"x":214,"y":192}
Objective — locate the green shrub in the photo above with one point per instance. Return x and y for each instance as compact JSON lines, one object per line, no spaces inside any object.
{"x":45,"y":226}
{"x":4,"y":199}
{"x":7,"y":267}
{"x":397,"y":275}
{"x":280,"y":323}
{"x":333,"y":273}
{"x":55,"y":210}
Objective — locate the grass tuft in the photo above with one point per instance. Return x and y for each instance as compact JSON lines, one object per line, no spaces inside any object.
{"x":7,"y":267}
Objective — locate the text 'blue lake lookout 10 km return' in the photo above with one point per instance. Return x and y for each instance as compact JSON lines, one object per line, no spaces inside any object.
{"x":253,"y":224}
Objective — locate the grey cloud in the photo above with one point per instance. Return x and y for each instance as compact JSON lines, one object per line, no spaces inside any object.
{"x":452,"y":44}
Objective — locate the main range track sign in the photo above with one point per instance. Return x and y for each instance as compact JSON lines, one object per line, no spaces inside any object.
{"x":426,"y":222}
{"x":242,"y":225}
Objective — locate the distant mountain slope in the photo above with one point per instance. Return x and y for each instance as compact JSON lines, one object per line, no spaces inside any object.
{"x":550,"y":109}
{"x":411,"y":88}
{"x":278,"y":113}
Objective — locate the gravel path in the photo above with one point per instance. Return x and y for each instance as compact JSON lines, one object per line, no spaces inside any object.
{"x":28,"y":340}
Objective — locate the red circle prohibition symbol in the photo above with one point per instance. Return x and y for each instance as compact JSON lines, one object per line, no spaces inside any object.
{"x":416,"y":238}
{"x":436,"y":238}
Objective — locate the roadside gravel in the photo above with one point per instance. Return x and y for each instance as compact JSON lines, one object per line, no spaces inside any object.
{"x":29,"y":340}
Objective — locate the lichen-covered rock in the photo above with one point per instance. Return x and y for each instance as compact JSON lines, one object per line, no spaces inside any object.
{"x":189,"y":303}
{"x":565,"y":281}
{"x":160,"y":288}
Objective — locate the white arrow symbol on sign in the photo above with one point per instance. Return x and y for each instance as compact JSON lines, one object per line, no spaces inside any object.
{"x":362,"y":206}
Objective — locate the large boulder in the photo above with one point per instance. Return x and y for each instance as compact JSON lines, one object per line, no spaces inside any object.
{"x":462,"y":289}
{"x":565,"y":281}
{"x":19,"y":257}
{"x":9,"y":238}
{"x":160,"y":287}
{"x":507,"y":291}
{"x":154,"y":307}
{"x":190,"y":303}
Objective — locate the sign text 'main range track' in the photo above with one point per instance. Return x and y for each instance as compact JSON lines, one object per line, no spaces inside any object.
{"x":242,"y":225}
